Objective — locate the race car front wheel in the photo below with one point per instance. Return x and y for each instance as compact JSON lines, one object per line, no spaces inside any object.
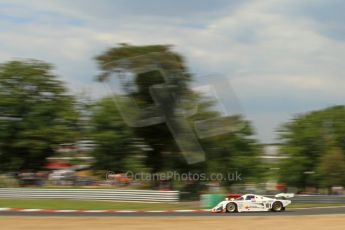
{"x":231,"y":207}
{"x":277,"y":206}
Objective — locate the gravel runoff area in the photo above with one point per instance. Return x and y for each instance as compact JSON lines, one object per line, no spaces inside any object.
{"x":320,"y":222}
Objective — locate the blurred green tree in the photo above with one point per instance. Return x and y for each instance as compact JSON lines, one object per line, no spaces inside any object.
{"x":231,"y":152}
{"x":36,"y":114}
{"x":157,"y":136}
{"x":307,"y":140}
{"x":331,"y":168}
{"x":116,"y":149}
{"x":224,"y":153}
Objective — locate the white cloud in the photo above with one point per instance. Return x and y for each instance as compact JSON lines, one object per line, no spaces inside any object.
{"x":270,"y":52}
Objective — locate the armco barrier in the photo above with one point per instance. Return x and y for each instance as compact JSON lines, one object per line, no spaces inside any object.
{"x":91,"y":194}
{"x":133,"y":195}
{"x":316,"y":199}
{"x":319,"y":199}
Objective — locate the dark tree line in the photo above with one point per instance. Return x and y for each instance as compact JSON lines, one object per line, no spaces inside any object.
{"x":37,"y":114}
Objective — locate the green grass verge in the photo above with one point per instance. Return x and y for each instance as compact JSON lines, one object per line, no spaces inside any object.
{"x":92,"y":205}
{"x":98,"y":205}
{"x":314,"y":205}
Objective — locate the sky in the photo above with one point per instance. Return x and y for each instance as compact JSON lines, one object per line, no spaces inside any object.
{"x":281,"y":57}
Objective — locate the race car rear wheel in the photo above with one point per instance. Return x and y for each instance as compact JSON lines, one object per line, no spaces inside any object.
{"x":231,"y":207}
{"x":277,"y":206}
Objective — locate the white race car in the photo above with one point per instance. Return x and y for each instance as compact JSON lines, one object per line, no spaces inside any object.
{"x":254,"y":203}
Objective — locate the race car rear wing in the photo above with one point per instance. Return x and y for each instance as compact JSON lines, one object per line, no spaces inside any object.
{"x":284,"y":195}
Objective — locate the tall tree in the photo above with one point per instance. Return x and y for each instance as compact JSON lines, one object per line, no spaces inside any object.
{"x":157,"y":136}
{"x":231,"y":152}
{"x":36,"y":114}
{"x":116,"y":148}
{"x":332,"y":168}
{"x":158,"y":65}
{"x":307,"y":140}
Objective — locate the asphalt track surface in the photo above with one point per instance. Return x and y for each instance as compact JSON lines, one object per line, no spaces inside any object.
{"x":288,"y":212}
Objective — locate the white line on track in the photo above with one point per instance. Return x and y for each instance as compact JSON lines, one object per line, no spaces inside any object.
{"x":316,"y":207}
{"x":125,"y":211}
{"x":94,"y":211}
{"x":31,"y":210}
{"x":156,"y":211}
{"x":65,"y":210}
{"x":185,"y":210}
